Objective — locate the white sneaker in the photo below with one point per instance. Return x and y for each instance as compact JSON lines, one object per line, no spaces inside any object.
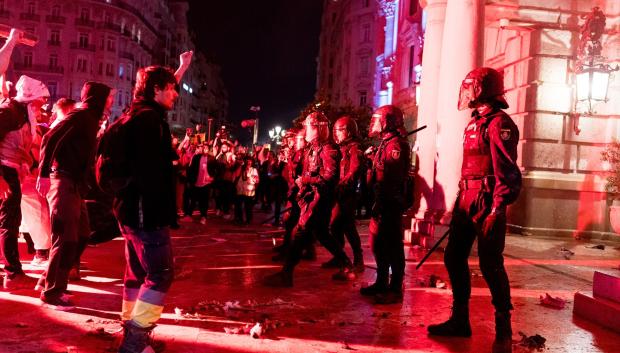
{"x":203,"y":220}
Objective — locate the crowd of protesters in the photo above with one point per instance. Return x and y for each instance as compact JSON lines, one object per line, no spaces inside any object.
{"x":51,"y":187}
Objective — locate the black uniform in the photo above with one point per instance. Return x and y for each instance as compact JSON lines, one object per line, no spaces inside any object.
{"x":390,"y":168}
{"x":490,"y":180}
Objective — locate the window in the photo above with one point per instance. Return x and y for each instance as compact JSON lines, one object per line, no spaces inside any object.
{"x":30,"y":8}
{"x":121,"y":70}
{"x":108,"y":19}
{"x":139,"y":35}
{"x":55,"y":36}
{"x":366,"y":33}
{"x":364,"y":65}
{"x":129,"y":72}
{"x":56,"y":11}
{"x":100,"y":68}
{"x":85,"y":14}
{"x":109,"y":69}
{"x":83,"y":40}
{"x":111,"y":44}
{"x":53,"y":61}
{"x":2,"y":8}
{"x":28,"y":59}
{"x":363,"y":98}
{"x":81,"y":65}
{"x":30,"y":30}
{"x":120,"y":98}
{"x":365,"y":3}
{"x":52,"y":87}
{"x":330,"y":81}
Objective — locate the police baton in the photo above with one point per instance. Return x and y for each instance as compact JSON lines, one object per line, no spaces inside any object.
{"x":416,"y":130}
{"x":432,"y":250}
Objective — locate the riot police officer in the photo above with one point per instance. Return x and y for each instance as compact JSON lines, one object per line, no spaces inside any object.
{"x":490,"y":180}
{"x":389,"y":175}
{"x":343,"y":214}
{"x":315,"y":198}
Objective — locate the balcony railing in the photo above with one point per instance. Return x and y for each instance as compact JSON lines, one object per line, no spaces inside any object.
{"x":40,"y":68}
{"x":55,"y":43}
{"x":109,"y":26}
{"x":84,"y":22}
{"x":126,"y":55}
{"x":29,"y":17}
{"x":76,"y":45}
{"x":55,"y":19}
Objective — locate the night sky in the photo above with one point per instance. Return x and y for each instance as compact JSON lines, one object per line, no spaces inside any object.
{"x":267,"y":50}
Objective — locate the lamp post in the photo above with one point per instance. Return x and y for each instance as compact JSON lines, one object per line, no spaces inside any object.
{"x":592,"y":72}
{"x":255,"y":109}
{"x":276,"y":134}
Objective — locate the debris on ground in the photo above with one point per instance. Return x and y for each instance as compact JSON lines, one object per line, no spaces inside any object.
{"x":552,"y":302}
{"x":90,"y":321}
{"x":433,"y":281}
{"x":566,"y":253}
{"x":101,"y":333}
{"x":476,"y":274}
{"x":257,"y":330}
{"x":597,"y":247}
{"x":536,"y":342}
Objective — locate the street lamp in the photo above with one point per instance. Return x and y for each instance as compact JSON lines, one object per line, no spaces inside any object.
{"x":592,"y":72}
{"x":276,"y":134}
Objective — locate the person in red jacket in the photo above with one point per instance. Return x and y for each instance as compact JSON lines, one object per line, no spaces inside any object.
{"x":490,"y":180}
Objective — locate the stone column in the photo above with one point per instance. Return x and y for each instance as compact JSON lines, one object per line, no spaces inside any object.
{"x":443,"y":70}
{"x":427,"y":111}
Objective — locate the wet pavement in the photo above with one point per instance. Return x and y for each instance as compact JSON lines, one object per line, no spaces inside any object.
{"x":218,"y":298}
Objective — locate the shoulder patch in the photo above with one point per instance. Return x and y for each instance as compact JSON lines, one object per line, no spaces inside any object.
{"x":395,"y":154}
{"x":505,"y":134}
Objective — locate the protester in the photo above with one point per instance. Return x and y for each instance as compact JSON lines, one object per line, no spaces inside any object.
{"x":200,"y":177}
{"x":67,"y":155}
{"x":245,"y":181}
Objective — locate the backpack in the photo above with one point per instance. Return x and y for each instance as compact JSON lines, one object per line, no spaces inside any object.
{"x":112,"y":166}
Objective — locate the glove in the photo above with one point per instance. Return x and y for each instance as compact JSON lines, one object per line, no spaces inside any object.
{"x":496,"y":218}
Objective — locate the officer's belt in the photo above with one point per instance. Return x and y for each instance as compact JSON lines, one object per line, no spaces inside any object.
{"x":481,"y":183}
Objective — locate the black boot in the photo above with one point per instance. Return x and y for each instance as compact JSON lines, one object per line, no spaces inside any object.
{"x":456,"y":326}
{"x":503,"y":333}
{"x":374,"y":289}
{"x":282,"y":279}
{"x":334,"y":262}
{"x":358,"y":262}
{"x":135,"y":339}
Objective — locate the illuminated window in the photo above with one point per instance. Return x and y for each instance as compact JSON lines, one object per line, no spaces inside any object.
{"x":121,"y":70}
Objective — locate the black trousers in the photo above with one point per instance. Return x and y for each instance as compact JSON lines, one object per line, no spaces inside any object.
{"x":199,"y":195}
{"x":70,"y":232}
{"x":244,"y":204}
{"x":317,"y":226}
{"x":10,"y":219}
{"x":343,"y":222}
{"x":386,"y":242}
{"x":463,"y":230}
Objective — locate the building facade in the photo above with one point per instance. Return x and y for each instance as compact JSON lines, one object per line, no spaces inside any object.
{"x":536,"y":46}
{"x":107,"y":41}
{"x":348,"y":51}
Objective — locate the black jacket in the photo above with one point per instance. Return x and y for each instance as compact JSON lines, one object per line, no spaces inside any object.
{"x":70,"y":146}
{"x":194,"y":168}
{"x":148,"y":202}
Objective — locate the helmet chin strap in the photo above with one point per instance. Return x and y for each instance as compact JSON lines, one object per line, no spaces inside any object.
{"x":484,"y":108}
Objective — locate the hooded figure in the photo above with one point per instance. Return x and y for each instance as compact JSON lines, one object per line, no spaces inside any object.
{"x":67,"y":156}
